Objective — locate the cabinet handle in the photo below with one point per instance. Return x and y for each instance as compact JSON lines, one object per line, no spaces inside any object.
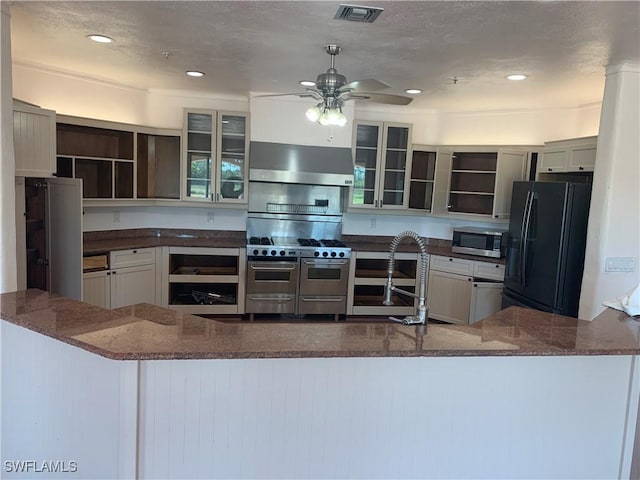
{"x":108,"y":273}
{"x":475,"y":284}
{"x":375,"y":203}
{"x":217,"y":197}
{"x":451,"y":259}
{"x":550,"y":169}
{"x":497,"y":266}
{"x":449,"y":207}
{"x":580,"y":168}
{"x":468,"y":279}
{"x":114,"y":272}
{"x":135,"y":251}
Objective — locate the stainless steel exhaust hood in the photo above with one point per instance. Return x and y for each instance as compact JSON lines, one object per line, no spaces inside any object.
{"x":286,"y":163}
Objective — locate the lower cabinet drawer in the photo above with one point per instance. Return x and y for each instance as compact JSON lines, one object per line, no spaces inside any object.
{"x":270,"y":303}
{"x":491,"y":271}
{"x":460,"y":266}
{"x":315,"y":304}
{"x":132,"y":258}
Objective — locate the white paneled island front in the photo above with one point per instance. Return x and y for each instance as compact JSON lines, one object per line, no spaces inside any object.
{"x":145,"y":392}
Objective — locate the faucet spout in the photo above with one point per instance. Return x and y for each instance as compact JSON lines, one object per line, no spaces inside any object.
{"x":422,"y":311}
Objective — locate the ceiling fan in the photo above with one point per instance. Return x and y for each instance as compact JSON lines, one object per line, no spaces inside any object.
{"x":332,"y":90}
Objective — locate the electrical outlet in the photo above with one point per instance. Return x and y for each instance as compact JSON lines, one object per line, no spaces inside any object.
{"x":211,"y":217}
{"x":620,"y":264}
{"x":116,"y":217}
{"x":373,"y":223}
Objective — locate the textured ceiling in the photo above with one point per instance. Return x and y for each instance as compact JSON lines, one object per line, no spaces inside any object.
{"x":247,"y":46}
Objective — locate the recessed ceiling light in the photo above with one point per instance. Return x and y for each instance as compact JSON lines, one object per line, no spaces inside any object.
{"x":413,"y":91}
{"x":516,"y":76}
{"x":307,"y":83}
{"x":100,"y":38}
{"x":194,"y":73}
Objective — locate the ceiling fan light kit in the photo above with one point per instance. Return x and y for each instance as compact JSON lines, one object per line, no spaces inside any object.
{"x":332,"y":90}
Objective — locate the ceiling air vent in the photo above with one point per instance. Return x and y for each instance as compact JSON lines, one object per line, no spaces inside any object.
{"x":355,"y":13}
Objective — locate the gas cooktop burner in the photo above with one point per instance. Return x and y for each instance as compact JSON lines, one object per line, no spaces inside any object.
{"x":281,"y":247}
{"x":333,"y":243}
{"x":259,"y":241}
{"x":309,"y":242}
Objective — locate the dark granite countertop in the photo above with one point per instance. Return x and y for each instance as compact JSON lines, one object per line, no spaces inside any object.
{"x":145,"y":332}
{"x":103,"y":242}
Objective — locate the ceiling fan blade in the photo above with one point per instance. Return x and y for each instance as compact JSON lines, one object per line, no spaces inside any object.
{"x":366,"y":85}
{"x":382,"y":98}
{"x":296,"y":94}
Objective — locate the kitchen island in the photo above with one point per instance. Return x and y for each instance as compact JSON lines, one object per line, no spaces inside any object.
{"x":146,"y":392}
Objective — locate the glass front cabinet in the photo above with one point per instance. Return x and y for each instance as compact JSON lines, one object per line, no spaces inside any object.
{"x":381,"y":165}
{"x":216,"y":146}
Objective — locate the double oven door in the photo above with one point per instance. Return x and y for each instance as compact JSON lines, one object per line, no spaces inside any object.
{"x":323,"y":286}
{"x":305,"y":286}
{"x":272,"y":286}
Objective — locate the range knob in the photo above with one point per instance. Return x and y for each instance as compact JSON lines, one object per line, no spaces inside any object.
{"x":341,"y":254}
{"x":273,"y":252}
{"x":333,"y":254}
{"x":316,"y":254}
{"x":264,"y":252}
{"x":282,"y":253}
{"x":255,"y":252}
{"x":325,"y":254}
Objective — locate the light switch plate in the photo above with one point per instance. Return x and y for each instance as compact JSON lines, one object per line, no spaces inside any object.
{"x":620,"y":264}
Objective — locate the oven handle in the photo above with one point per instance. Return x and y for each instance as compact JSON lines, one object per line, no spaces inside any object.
{"x":322,"y":299}
{"x":281,"y":298}
{"x":291,"y":266}
{"x":328,"y":261}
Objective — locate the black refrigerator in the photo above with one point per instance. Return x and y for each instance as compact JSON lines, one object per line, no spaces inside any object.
{"x":546,"y":246}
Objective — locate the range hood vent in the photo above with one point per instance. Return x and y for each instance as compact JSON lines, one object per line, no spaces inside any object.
{"x":286,"y":163}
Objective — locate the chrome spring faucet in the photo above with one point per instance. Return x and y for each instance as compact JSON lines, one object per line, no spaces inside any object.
{"x":421,"y":314}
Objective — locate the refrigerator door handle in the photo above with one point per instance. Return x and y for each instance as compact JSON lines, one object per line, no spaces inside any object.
{"x":526,"y":221}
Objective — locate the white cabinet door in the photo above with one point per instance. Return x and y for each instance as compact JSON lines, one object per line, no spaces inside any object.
{"x":382,"y":170}
{"x":133,"y":285}
{"x":34,"y":140}
{"x":97,"y":288}
{"x":486,"y":299}
{"x":582,"y":159}
{"x":553,"y":161}
{"x":449,"y":297}
{"x":64,"y":231}
{"x":215,"y":156}
{"x":510,"y":169}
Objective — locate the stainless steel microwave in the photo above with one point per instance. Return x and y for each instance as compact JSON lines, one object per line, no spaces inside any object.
{"x":479,"y":241}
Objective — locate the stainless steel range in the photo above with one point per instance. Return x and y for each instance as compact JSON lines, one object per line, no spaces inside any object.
{"x":297,"y":264}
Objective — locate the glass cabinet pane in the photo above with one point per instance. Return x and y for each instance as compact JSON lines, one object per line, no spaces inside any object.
{"x":199,"y":154}
{"x":366,"y":158}
{"x":198,"y":175}
{"x":367,"y":136}
{"x":199,"y":122}
{"x":232,"y":167}
{"x":398,"y":137}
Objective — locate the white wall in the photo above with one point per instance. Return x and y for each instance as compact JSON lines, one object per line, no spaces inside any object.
{"x":8,"y":267}
{"x":283,"y":120}
{"x":614,"y":217}
{"x":116,"y":218}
